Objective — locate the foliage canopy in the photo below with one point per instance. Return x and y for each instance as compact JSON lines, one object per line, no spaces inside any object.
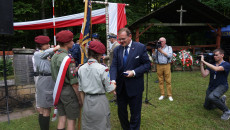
{"x":27,"y":10}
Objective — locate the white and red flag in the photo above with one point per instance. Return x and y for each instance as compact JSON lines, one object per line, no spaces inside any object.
{"x":60,"y":79}
{"x":117,"y":17}
{"x":117,"y":20}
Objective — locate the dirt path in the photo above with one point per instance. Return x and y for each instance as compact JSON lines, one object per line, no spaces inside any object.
{"x":17,"y":114}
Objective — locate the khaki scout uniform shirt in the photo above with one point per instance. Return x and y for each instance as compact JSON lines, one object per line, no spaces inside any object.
{"x":94,"y":78}
{"x":56,"y":61}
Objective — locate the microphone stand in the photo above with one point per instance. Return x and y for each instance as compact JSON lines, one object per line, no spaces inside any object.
{"x":6,"y":97}
{"x":146,"y":92}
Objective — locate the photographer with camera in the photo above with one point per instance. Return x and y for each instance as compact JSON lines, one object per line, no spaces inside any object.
{"x":218,"y":83}
{"x":163,"y":55}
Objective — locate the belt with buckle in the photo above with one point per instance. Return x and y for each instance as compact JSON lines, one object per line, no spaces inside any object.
{"x":44,"y":74}
{"x":96,"y":94}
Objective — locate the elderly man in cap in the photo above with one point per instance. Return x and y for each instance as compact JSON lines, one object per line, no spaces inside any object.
{"x":69,"y":101}
{"x":113,"y":45}
{"x":95,"y":37}
{"x":45,"y":83}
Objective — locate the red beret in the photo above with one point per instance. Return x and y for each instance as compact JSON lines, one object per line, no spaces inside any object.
{"x":64,"y":36}
{"x":42,"y":39}
{"x":97,"y":46}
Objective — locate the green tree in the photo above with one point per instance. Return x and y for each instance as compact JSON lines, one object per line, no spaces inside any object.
{"x":223,"y":6}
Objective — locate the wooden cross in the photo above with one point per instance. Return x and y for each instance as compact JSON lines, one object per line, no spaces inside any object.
{"x":181,"y":11}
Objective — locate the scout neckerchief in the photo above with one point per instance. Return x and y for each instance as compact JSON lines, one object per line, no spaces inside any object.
{"x":60,"y":79}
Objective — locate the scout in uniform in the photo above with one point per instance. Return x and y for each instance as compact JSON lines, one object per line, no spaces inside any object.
{"x":68,"y":104}
{"x":45,"y":83}
{"x":94,"y":81}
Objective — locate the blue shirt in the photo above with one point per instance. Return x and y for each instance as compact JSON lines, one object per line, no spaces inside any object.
{"x":219,"y":77}
{"x":161,"y":58}
{"x":75,"y":51}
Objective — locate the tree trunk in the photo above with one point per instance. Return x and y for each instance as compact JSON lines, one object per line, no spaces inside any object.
{"x":43,"y":16}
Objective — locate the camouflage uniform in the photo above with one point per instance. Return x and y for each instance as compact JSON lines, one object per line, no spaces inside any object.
{"x":68,"y":102}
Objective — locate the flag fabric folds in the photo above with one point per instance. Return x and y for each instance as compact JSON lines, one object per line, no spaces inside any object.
{"x":117,"y":17}
{"x":98,"y":17}
{"x":87,"y":25}
{"x":86,"y":31}
{"x":117,"y":20}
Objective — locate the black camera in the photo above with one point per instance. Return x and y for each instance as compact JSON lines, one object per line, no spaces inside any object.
{"x":153,"y":45}
{"x":208,"y":57}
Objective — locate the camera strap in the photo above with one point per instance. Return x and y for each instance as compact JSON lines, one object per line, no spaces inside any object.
{"x":168,"y":58}
{"x":157,"y":57}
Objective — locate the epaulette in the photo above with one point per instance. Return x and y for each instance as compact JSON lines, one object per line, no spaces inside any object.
{"x":70,"y":56}
{"x":104,"y":64}
{"x":107,"y":68}
{"x":59,"y":52}
{"x":90,"y":62}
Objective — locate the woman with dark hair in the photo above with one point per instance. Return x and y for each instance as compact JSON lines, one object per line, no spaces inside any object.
{"x":94,"y":82}
{"x":45,"y":83}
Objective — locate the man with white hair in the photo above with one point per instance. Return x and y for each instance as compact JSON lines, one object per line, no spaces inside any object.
{"x":113,"y":45}
{"x":163,"y":56}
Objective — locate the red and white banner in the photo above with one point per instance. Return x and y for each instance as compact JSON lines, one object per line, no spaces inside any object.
{"x":98,"y":17}
{"x":117,"y":17}
{"x":117,"y":20}
{"x":60,"y":79}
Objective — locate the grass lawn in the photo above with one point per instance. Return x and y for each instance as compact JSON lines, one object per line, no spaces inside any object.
{"x":185,"y":112}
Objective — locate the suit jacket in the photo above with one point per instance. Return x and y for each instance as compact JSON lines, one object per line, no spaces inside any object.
{"x":110,"y":56}
{"x":138,"y":61}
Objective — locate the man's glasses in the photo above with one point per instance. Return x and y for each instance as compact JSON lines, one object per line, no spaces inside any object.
{"x":122,"y":39}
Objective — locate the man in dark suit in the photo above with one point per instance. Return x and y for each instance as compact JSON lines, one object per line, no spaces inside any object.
{"x":130,"y":57}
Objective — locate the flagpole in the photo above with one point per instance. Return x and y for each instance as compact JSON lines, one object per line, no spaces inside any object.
{"x":54,"y":25}
{"x":106,"y":3}
{"x":107,"y":25}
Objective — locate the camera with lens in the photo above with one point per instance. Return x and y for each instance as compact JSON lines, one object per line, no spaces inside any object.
{"x":208,"y":57}
{"x":153,"y":45}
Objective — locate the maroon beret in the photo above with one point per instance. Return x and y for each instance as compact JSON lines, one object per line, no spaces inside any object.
{"x":64,"y":36}
{"x":97,"y":46}
{"x":42,"y":39}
